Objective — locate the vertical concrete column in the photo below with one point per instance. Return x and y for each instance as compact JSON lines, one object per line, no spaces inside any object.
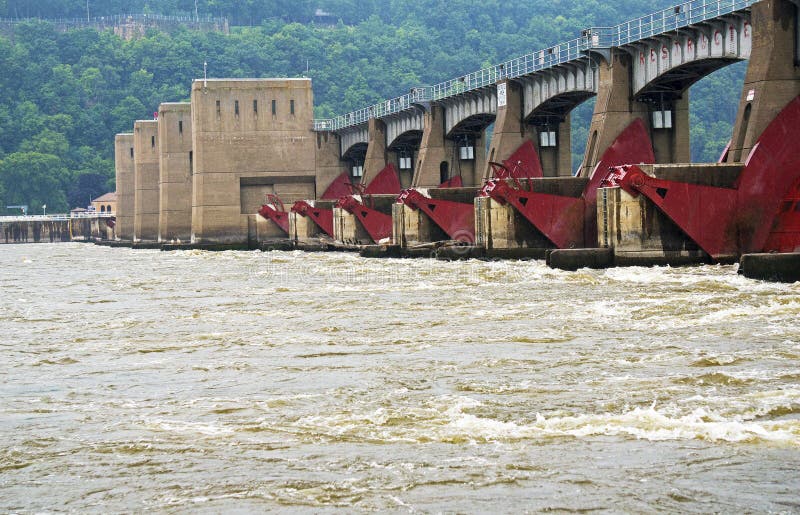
{"x":509,"y":128}
{"x":673,"y":145}
{"x":328,"y":163}
{"x":375,"y":160}
{"x":434,"y":150}
{"x":146,"y":193}
{"x":125,"y":173}
{"x":481,"y":160}
{"x":614,"y":108}
{"x":176,"y":162}
{"x":557,"y":160}
{"x":250,"y":137}
{"x":773,"y":77}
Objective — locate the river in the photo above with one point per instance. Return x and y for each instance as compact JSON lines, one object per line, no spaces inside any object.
{"x":320,"y":382}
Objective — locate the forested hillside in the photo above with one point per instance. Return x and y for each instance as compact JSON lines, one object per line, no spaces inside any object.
{"x":63,"y":95}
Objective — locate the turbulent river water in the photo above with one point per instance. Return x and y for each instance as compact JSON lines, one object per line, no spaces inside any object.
{"x":248,"y":381}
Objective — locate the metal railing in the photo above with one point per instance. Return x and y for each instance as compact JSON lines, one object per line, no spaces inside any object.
{"x":385,"y":108}
{"x":674,"y":18}
{"x":529,"y":63}
{"x":55,"y":218}
{"x":666,"y":20}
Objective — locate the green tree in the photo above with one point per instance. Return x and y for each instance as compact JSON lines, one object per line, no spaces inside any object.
{"x":47,"y":142}
{"x":34,"y":179}
{"x":126,"y":112}
{"x":85,"y":187}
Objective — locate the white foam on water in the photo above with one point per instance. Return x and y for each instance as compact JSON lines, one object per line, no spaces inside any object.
{"x":447,"y":419}
{"x":751,"y":406}
{"x":772,"y":308}
{"x":640,"y":423}
{"x":185,"y":427}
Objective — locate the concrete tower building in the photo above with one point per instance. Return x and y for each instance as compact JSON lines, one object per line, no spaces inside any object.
{"x":146,"y":158}
{"x":124,"y":167}
{"x":250,"y":137}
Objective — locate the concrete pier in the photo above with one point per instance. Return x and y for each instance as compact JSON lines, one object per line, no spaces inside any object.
{"x":175,"y":180}
{"x":328,"y":165}
{"x":146,"y":177}
{"x":261,"y":230}
{"x":615,"y":109}
{"x":509,"y":129}
{"x":771,"y":267}
{"x":434,"y":150}
{"x":375,"y":158}
{"x":125,"y":180}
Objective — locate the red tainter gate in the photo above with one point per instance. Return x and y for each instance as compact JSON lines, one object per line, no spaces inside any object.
{"x":761,"y":213}
{"x":377,"y":224}
{"x":457,"y":219}
{"x":321,"y":216}
{"x":571,"y":222}
{"x":274,"y":210}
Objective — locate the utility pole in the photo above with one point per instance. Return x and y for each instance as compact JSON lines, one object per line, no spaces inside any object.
{"x":196,"y":15}
{"x":87,"y":12}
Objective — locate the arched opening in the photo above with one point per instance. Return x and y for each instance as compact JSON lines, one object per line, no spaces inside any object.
{"x":403,"y":152}
{"x":354,"y":157}
{"x":108,"y":209}
{"x":102,"y":209}
{"x":466,"y":148}
{"x":561,"y":130}
{"x":713,"y":86}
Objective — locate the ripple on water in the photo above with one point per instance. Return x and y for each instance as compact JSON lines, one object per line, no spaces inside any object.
{"x":264,"y":381}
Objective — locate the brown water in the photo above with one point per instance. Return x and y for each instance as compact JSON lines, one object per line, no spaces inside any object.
{"x":248,"y":381}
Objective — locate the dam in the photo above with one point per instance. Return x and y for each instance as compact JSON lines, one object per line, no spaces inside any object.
{"x":245,"y":165}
